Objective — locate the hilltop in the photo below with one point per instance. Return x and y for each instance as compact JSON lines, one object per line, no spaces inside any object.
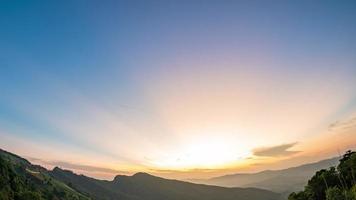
{"x":19,"y":179}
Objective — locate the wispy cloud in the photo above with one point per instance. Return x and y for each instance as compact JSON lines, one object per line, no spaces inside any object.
{"x":275,"y":151}
{"x":343,"y":125}
{"x":73,"y":166}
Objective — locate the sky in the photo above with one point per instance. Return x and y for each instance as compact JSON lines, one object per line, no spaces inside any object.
{"x":179,"y":89}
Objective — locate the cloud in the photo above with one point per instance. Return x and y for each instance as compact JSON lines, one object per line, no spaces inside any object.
{"x":87,"y":168}
{"x":275,"y":151}
{"x":343,"y":125}
{"x":73,"y":166}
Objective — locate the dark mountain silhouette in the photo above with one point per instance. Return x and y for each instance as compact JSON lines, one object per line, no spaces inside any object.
{"x":20,"y":180}
{"x":282,"y":181}
{"x":142,"y":186}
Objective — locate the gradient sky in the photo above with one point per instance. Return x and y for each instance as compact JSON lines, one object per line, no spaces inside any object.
{"x":177,"y":88}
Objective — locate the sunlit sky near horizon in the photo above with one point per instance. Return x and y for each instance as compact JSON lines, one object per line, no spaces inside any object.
{"x":181,"y":89}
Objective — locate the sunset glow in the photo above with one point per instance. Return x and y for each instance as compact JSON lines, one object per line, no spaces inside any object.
{"x":177,"y":89}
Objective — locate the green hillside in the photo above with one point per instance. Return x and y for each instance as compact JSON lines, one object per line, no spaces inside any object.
{"x":20,"y":180}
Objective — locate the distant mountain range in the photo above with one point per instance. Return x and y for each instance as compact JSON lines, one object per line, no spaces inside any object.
{"x":280,"y":181}
{"x":19,"y":179}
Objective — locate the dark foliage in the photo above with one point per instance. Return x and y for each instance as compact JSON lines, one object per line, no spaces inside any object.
{"x":333,"y":183}
{"x":19,"y":180}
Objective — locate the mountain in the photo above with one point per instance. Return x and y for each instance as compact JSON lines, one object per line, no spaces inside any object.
{"x":142,"y":186}
{"x":98,"y":189}
{"x":281,"y":181}
{"x":20,"y":180}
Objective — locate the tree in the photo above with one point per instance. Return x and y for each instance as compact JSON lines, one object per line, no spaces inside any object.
{"x":332,"y":184}
{"x":298,"y":196}
{"x":347,"y":169}
{"x":29,"y":195}
{"x":334,"y":193}
{"x":320,"y":182}
{"x":352,"y":193}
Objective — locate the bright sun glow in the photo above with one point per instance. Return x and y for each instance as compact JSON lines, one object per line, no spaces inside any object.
{"x":203,"y":154}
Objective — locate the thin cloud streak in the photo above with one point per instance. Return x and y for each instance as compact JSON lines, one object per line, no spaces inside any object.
{"x":343,"y":125}
{"x":276,"y":151}
{"x":73,"y":166}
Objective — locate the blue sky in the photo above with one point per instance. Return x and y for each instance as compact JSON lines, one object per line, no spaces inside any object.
{"x":128,"y":80}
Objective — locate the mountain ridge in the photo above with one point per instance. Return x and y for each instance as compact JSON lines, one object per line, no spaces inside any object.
{"x":146,"y":186}
{"x":282,"y":181}
{"x":333,"y":159}
{"x":64,"y":184}
{"x":20,"y":180}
